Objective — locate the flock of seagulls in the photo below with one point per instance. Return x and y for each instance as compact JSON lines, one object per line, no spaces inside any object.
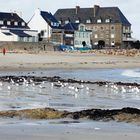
{"x":75,"y":88}
{"x":123,"y":89}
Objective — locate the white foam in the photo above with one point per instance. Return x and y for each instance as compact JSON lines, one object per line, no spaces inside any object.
{"x":131,"y":73}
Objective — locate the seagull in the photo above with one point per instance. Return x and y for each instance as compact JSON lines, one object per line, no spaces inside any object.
{"x":52,"y":84}
{"x":123,"y":89}
{"x":76,"y":89}
{"x":12,"y":81}
{"x":8,"y":87}
{"x":71,"y":87}
{"x":87,"y":88}
{"x":1,"y":84}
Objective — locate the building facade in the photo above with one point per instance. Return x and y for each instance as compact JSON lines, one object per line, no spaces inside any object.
{"x":14,"y":28}
{"x":108,"y":24}
{"x":43,"y":22}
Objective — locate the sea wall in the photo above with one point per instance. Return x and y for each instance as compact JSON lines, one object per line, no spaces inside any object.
{"x":125,"y":52}
{"x":28,"y":46}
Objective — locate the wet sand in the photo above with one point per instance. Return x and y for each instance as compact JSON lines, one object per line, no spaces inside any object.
{"x":52,"y":130}
{"x":75,"y":60}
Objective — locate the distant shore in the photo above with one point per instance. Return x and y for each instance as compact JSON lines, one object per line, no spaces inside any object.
{"x":65,"y":60}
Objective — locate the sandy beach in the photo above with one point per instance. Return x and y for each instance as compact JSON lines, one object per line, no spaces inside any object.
{"x":16,"y":129}
{"x":75,"y":60}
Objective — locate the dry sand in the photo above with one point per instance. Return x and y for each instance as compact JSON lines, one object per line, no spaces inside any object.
{"x":21,"y":61}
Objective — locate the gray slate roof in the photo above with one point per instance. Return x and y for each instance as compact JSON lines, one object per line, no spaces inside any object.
{"x":12,"y":17}
{"x":83,"y":14}
{"x":49,"y":18}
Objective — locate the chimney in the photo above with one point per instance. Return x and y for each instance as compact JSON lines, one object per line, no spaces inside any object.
{"x":77,"y":9}
{"x":96,"y":8}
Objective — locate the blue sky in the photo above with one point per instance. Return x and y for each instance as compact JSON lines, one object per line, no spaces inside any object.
{"x":130,"y":8}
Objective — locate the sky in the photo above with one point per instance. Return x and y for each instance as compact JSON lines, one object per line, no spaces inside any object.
{"x":130,"y":8}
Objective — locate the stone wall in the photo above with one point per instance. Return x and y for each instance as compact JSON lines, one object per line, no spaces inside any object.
{"x":28,"y":46}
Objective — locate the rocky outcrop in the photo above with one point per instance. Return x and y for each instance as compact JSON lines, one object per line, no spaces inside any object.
{"x":119,"y":115}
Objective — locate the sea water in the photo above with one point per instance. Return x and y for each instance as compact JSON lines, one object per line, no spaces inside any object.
{"x":86,"y":96}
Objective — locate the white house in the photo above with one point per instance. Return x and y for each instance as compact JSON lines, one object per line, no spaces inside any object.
{"x":14,"y":28}
{"x":76,"y":35}
{"x":43,"y":22}
{"x":82,"y":37}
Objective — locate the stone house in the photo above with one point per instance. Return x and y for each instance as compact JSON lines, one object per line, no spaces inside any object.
{"x":108,"y":24}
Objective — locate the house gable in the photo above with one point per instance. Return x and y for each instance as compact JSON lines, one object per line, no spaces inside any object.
{"x":12,"y":20}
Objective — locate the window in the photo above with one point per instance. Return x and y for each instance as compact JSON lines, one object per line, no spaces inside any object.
{"x":107,"y":20}
{"x":79,"y":34}
{"x":83,"y":34}
{"x":88,"y":21}
{"x":88,"y":35}
{"x":60,"y":21}
{"x":77,"y":21}
{"x":76,"y":42}
{"x":23,"y":23}
{"x":1,"y":22}
{"x":95,"y":36}
{"x":8,"y":23}
{"x":15,"y":23}
{"x":112,"y":28}
{"x":81,"y":28}
{"x":66,"y":21}
{"x":113,"y":43}
{"x":99,"y":21}
{"x":112,"y":36}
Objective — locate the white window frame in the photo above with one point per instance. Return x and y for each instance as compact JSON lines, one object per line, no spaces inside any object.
{"x":23,"y":23}
{"x":66,"y":21}
{"x":8,"y":23}
{"x":99,"y":21}
{"x":95,"y":36}
{"x":1,"y":22}
{"x":77,"y":21}
{"x":88,"y":21}
{"x":107,"y":20}
{"x":16,"y":23}
{"x":112,"y":35}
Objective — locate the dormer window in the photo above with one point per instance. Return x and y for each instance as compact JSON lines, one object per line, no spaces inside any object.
{"x":1,"y":22}
{"x":8,"y":23}
{"x":99,"y":21}
{"x":77,"y":21}
{"x":23,"y":23}
{"x":66,"y":21}
{"x":107,"y":20}
{"x":88,"y":21}
{"x":15,"y":23}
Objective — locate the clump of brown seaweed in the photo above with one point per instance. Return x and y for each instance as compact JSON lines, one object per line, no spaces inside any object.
{"x":119,"y":115}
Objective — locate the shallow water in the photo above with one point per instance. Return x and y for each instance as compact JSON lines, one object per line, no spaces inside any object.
{"x":72,"y":97}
